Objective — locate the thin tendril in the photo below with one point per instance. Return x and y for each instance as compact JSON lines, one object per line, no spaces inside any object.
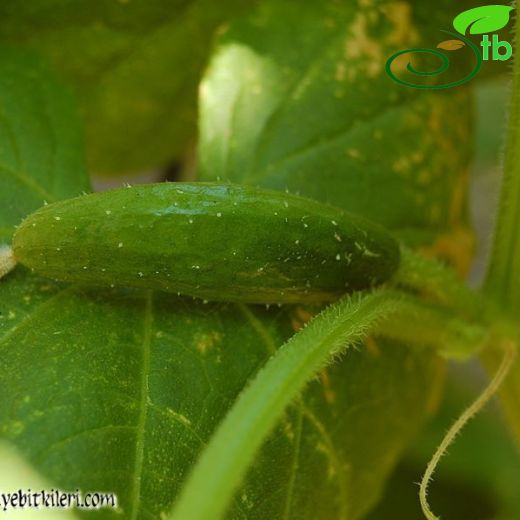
{"x":469,"y":413}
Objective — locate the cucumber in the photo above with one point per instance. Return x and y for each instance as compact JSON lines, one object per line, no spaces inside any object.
{"x":213,"y":241}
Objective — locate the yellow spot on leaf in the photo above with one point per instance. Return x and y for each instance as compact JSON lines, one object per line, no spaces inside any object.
{"x":372,"y":347}
{"x":329,"y":394}
{"x":204,"y":342}
{"x":456,"y":247}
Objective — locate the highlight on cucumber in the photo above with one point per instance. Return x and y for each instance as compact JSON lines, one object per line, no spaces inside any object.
{"x":208,"y":240}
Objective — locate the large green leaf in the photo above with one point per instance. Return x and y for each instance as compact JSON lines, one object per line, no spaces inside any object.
{"x":134,"y":65}
{"x":297,"y":98}
{"x":119,"y":391}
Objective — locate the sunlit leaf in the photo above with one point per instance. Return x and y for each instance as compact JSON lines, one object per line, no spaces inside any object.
{"x":312,"y":110}
{"x":134,"y":65}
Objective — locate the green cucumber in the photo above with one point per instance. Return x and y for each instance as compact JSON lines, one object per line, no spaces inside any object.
{"x":213,"y":241}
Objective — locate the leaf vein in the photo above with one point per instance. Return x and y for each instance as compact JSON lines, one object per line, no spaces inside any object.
{"x":29,"y":182}
{"x":258,"y":326}
{"x":75,"y":435}
{"x":26,"y":321}
{"x":141,"y":424}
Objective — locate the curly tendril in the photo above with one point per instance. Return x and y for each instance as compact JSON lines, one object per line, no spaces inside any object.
{"x":444,"y":66}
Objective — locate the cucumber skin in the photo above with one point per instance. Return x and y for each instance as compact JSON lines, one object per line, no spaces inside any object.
{"x":207,"y":240}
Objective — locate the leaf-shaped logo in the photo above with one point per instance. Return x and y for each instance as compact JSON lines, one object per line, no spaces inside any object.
{"x":451,"y":45}
{"x":481,"y":20}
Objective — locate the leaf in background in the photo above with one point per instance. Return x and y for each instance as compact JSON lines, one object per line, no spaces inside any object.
{"x":119,"y":391}
{"x":135,"y":67}
{"x":311,"y":109}
{"x":484,"y":19}
{"x":40,"y":140}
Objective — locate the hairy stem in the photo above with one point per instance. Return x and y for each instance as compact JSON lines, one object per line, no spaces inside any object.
{"x":225,"y":461}
{"x":503,"y":276}
{"x":429,"y":325}
{"x":470,"y":412}
{"x":433,"y":279}
{"x":7,"y":260}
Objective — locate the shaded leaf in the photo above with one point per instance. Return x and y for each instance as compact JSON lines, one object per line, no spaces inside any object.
{"x":451,"y":45}
{"x":484,"y":19}
{"x":134,"y":66}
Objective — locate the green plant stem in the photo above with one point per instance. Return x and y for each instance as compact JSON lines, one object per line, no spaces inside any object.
{"x":223,"y":464}
{"x":428,"y":325}
{"x":503,"y":277}
{"x":432,"y":279}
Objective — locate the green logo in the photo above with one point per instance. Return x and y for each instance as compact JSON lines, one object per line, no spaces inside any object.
{"x":478,"y":21}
